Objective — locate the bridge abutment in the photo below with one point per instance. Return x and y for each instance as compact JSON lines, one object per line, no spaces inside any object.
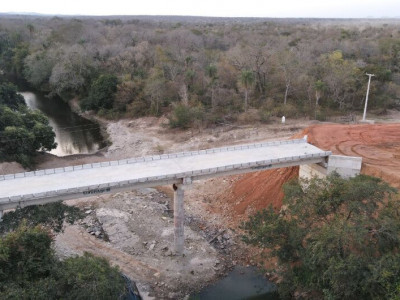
{"x":345,"y":166}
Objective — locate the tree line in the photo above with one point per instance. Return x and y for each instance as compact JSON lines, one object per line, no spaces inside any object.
{"x":205,"y":72}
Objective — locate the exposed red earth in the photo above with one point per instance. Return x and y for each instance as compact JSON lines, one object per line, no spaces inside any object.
{"x":378,"y":145}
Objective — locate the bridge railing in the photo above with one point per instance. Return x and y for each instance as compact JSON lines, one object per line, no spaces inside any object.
{"x":146,"y":158}
{"x":100,"y":188}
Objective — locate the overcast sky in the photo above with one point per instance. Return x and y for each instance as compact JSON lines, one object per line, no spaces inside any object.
{"x":218,"y":8}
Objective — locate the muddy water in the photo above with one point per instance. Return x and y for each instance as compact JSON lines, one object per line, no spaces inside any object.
{"x":241,"y":283}
{"x":74,"y":134}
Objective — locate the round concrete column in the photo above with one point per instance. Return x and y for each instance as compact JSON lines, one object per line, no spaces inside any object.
{"x":179,"y":219}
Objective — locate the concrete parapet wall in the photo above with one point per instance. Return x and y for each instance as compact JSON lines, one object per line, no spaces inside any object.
{"x":103,"y":177}
{"x":90,"y":190}
{"x":24,"y":199}
{"x":148,"y":158}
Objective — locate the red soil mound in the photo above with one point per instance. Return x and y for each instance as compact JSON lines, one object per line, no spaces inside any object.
{"x":378,"y":145}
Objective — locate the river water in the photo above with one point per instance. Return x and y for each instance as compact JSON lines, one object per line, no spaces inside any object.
{"x":241,"y":283}
{"x":74,"y":134}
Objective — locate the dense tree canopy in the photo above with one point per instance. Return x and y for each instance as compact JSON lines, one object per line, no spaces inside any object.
{"x":30,"y":270}
{"x":9,"y":97}
{"x":313,"y":68}
{"x":101,"y":93}
{"x":22,"y":131}
{"x":334,"y":239}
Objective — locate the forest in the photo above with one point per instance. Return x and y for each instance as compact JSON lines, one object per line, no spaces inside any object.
{"x":202,"y":71}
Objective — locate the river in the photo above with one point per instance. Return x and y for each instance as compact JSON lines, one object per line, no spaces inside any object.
{"x":242,"y":283}
{"x":74,"y":134}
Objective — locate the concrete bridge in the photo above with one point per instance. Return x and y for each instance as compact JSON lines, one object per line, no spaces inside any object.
{"x":178,"y":169}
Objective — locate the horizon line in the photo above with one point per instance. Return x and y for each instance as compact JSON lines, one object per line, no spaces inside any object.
{"x":193,"y":16}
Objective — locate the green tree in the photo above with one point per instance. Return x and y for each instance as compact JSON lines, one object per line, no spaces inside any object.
{"x":212,"y":73}
{"x":29,"y":269}
{"x":22,"y":131}
{"x":26,"y":255}
{"x":20,"y":53}
{"x":16,"y":143}
{"x":184,"y":116}
{"x":334,"y":238}
{"x":89,"y":277}
{"x":101,"y":94}
{"x":51,"y":215}
{"x":9,"y":96}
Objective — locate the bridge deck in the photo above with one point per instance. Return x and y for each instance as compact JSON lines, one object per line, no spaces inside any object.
{"x":84,"y":180}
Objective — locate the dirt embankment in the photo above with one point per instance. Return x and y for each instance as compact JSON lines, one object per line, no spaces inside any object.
{"x":252,"y":192}
{"x":378,"y":145}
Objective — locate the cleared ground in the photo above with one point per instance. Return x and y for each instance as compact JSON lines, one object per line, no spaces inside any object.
{"x":378,"y":145}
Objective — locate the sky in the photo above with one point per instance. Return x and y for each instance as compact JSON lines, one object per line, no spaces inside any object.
{"x":215,"y":8}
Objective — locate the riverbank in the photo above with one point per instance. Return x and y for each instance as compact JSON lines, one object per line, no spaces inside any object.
{"x":213,"y":244}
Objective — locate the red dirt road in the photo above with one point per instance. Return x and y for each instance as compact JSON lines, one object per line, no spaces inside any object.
{"x":378,"y":145}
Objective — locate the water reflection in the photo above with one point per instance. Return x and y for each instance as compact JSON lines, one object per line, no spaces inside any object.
{"x":74,"y":134}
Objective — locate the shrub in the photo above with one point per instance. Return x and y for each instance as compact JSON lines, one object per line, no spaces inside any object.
{"x":334,"y":239}
{"x":288,"y":110}
{"x":30,"y":270}
{"x":184,"y":116}
{"x":51,"y":215}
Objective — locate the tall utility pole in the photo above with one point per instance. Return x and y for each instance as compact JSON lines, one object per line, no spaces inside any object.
{"x":366,"y":98}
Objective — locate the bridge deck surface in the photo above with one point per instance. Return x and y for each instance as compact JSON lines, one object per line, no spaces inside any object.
{"x":46,"y":183}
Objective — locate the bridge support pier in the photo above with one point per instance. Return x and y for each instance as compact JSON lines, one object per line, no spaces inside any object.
{"x":179,"y":219}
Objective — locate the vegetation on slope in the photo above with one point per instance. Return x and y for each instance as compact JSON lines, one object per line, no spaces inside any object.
{"x":51,"y":215}
{"x":334,"y":239}
{"x":30,"y":270}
